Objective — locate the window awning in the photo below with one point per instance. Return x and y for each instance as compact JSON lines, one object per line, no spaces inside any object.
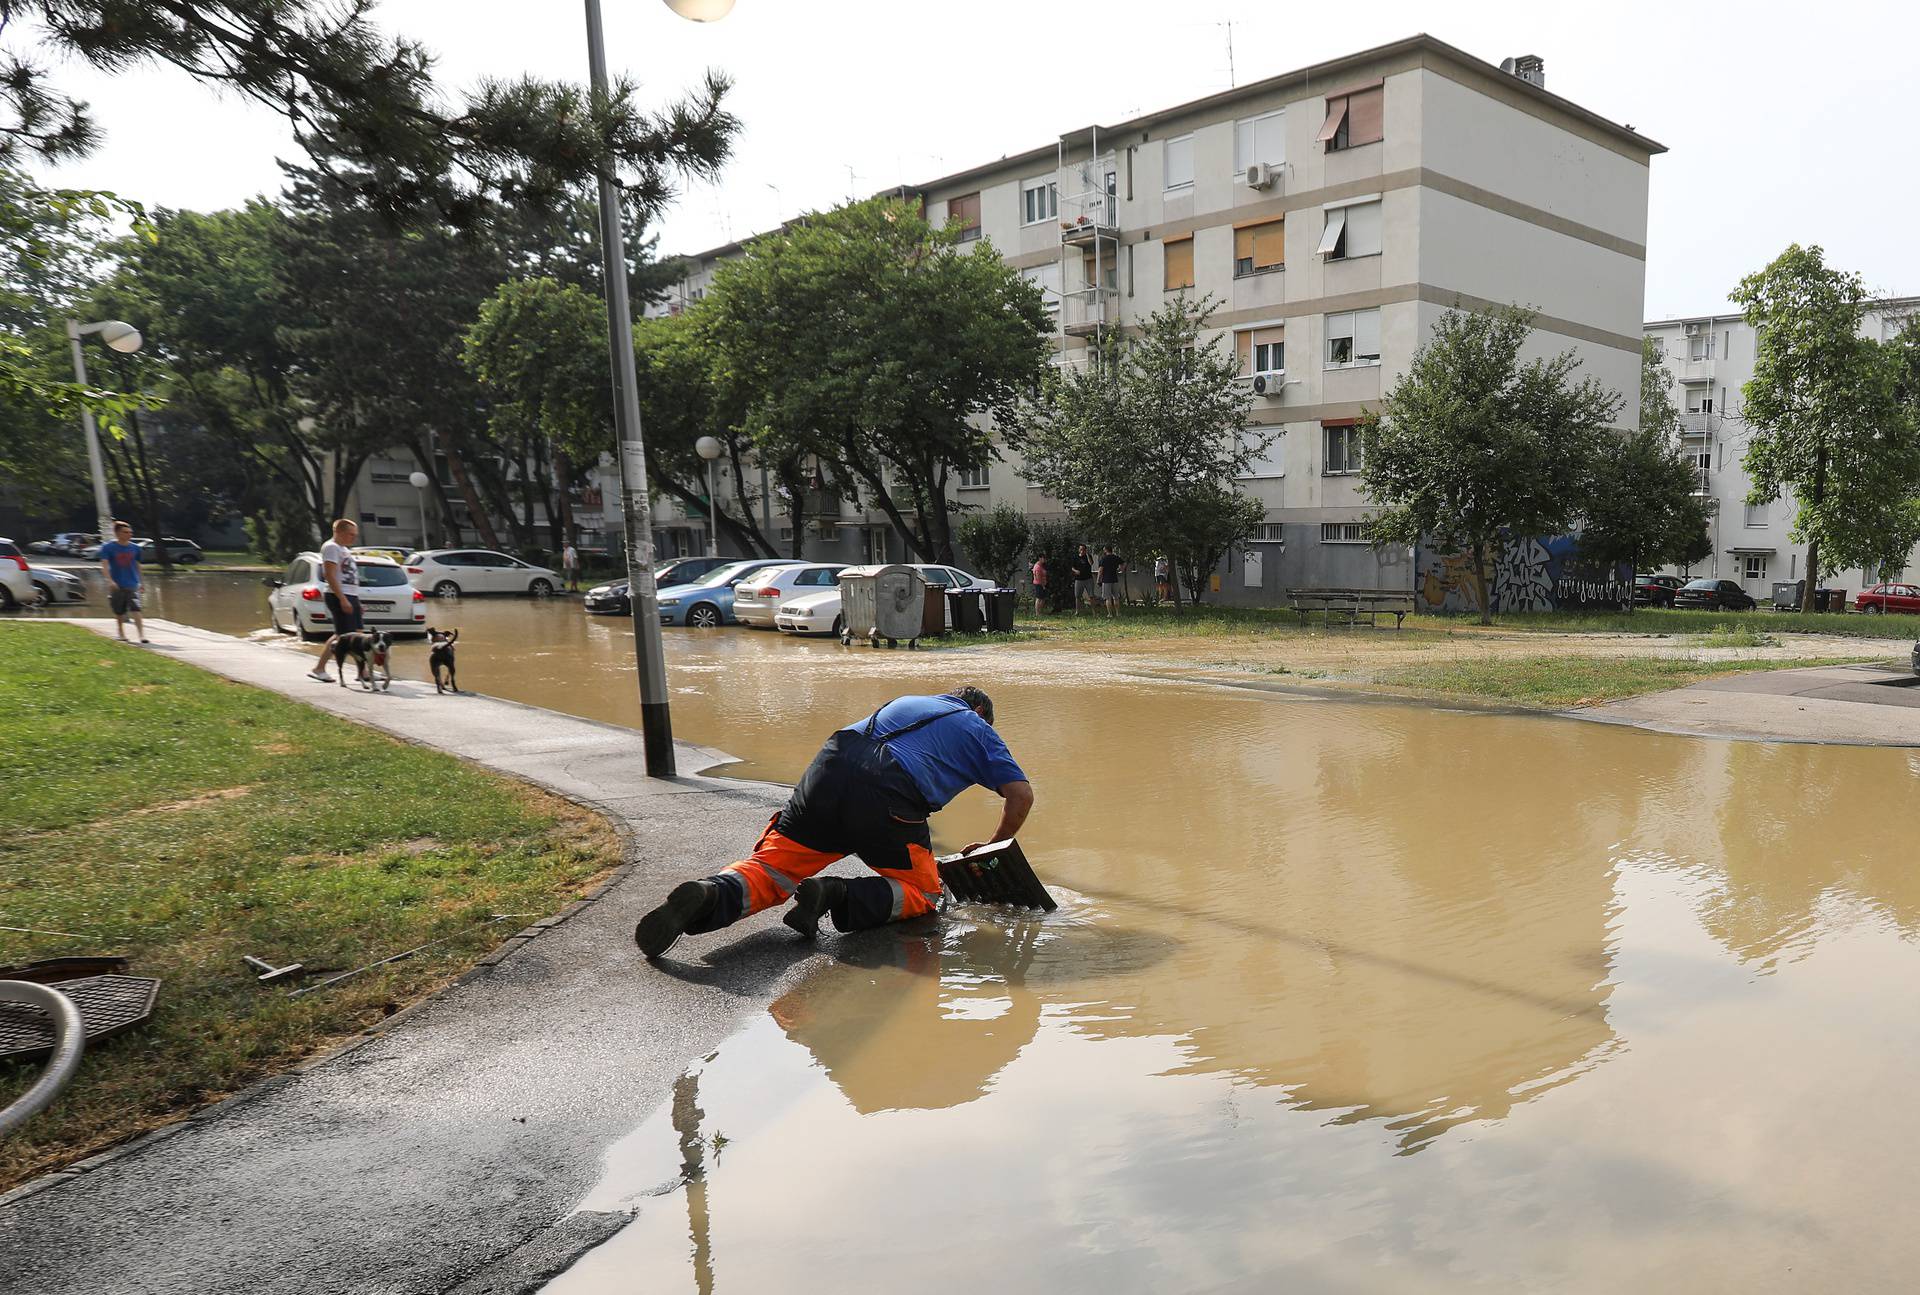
{"x":1741,"y":548}
{"x":1336,"y":223}
{"x":1336,"y":113}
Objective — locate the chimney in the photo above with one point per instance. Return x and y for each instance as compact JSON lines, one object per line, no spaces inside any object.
{"x":1530,"y":68}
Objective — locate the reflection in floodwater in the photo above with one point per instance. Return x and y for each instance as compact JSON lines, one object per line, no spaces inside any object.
{"x":1340,"y":997}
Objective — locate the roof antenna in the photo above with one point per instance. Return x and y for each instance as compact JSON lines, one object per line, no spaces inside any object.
{"x":1232,"y":83}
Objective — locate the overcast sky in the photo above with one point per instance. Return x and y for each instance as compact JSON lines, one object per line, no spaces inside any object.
{"x":1783,"y":123}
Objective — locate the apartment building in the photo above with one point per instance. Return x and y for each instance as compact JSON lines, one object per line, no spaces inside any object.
{"x":1332,"y":214}
{"x":1711,"y":358}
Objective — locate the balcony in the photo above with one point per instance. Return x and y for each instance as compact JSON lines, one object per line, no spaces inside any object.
{"x":1089,"y":311}
{"x":1089,"y":206}
{"x":1698,"y":424}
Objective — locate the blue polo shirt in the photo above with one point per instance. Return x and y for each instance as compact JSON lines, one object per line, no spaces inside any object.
{"x":956,"y":751}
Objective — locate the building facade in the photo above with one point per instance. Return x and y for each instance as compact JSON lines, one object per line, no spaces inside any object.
{"x":1332,"y":214}
{"x":1711,"y":358}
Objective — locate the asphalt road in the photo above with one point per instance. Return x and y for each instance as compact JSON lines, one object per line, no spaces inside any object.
{"x":448,"y":1152}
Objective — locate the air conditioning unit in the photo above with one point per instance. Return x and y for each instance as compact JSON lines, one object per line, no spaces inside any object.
{"x":1694,"y":330}
{"x":1269,"y":384}
{"x":1261,"y":175}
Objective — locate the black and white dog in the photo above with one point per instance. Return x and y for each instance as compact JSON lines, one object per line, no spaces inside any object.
{"x":370,"y":657}
{"x":441,"y":658}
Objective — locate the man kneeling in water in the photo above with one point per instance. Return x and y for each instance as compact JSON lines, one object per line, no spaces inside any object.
{"x":869,"y":792}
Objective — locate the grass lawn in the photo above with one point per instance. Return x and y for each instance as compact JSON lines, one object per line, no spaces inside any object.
{"x":1212,"y":622}
{"x":182,"y":820}
{"x":1561,"y":681}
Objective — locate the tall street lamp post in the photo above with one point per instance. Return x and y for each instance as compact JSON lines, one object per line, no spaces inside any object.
{"x":708,"y":448}
{"x":656,"y":723}
{"x":419,"y":480}
{"x":124,"y":338}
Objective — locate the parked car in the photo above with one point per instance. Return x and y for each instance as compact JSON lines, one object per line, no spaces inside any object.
{"x":708,"y":602}
{"x":615,"y":598}
{"x":820,"y":613}
{"x":1715,"y":595}
{"x":1655,"y":591}
{"x":73,"y":543}
{"x":298,"y":603}
{"x":16,"y":584}
{"x":381,"y":551}
{"x":52,"y":586}
{"x":184,"y":552}
{"x":757,"y":601}
{"x":43,"y":547}
{"x":449,"y":572}
{"x":1888,"y":598}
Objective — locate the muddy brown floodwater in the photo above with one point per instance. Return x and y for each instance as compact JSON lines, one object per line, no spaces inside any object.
{"x":1341,"y":997}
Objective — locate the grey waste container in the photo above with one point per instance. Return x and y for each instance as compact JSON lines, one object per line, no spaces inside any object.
{"x":883,"y":602}
{"x":999,"y":609}
{"x":967,"y":614}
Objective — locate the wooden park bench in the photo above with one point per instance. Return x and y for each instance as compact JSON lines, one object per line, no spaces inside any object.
{"x":1348,"y":606}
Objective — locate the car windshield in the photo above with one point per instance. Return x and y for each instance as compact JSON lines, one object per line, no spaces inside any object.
{"x":378,"y":575}
{"x":1703,"y":584}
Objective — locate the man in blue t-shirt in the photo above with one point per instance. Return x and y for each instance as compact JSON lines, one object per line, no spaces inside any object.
{"x":869,"y":792}
{"x":120,"y":563}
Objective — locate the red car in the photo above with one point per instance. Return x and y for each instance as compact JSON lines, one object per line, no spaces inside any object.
{"x":1889,"y":598}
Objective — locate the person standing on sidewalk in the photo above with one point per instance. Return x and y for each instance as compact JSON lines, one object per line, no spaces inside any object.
{"x":570,"y":567}
{"x":1112,"y":565}
{"x":1082,"y":579}
{"x":1040,"y":585}
{"x":120,"y":563}
{"x":340,"y":573}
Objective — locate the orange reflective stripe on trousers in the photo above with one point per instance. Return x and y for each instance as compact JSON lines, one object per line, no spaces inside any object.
{"x":777,"y":865}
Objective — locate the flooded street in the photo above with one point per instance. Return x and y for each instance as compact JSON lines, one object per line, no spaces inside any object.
{"x":1341,"y":996}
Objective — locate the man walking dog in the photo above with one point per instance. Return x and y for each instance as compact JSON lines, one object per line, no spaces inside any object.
{"x":869,"y":792}
{"x":340,"y":573}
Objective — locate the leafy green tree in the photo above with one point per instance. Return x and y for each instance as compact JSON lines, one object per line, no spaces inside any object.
{"x":868,"y":341}
{"x":1472,"y":444}
{"x":1827,"y":419}
{"x":410,"y":146}
{"x":1143,"y":443}
{"x":995,"y":539}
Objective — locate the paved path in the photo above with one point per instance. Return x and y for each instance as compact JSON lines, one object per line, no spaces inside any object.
{"x":448,"y":1150}
{"x":1848,"y":705}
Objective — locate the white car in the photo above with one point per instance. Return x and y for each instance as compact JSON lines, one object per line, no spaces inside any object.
{"x":757,"y":598}
{"x":298,"y":603}
{"x":450,"y":572}
{"x":16,"y":583}
{"x":53,"y":586}
{"x":820,"y":613}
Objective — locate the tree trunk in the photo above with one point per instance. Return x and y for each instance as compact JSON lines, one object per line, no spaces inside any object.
{"x":143,"y":476}
{"x":481,"y":522}
{"x":1486,"y":587}
{"x":1813,"y":541}
{"x":563,"y":488}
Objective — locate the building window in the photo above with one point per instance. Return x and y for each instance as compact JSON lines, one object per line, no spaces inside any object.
{"x":1178,"y":153}
{"x":1756,"y":566}
{"x":1272,"y":461}
{"x":1354,"y":118}
{"x":1351,"y":231}
{"x":1704,"y":460}
{"x":1755,"y":515}
{"x":1353,"y":339}
{"x":966,"y":210}
{"x":1039,"y":201}
{"x":388,"y":521}
{"x":1047,"y":279}
{"x":1259,"y":249}
{"x":1659,"y":348}
{"x":1101,"y":270}
{"x":1343,"y":448}
{"x":1260,"y":139}
{"x":1179,"y":263}
{"x":1270,"y":533}
{"x":1262,"y":350}
{"x":973,"y":478}
{"x":1343,"y":532}
{"x":1700,"y":346}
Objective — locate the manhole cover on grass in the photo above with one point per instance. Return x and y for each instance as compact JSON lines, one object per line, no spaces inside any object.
{"x":108,"y":1005}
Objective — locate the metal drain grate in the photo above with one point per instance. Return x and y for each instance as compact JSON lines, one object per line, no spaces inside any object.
{"x":108,"y":1005}
{"x":995,"y":874}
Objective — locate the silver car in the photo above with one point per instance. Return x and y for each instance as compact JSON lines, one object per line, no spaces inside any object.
{"x":451,"y":572}
{"x":54,"y":587}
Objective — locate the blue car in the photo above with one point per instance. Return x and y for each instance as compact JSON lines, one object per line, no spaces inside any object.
{"x":708,"y":601}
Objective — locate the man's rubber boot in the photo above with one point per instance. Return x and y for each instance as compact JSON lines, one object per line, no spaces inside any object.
{"x":686,"y":904}
{"x":811,"y":900}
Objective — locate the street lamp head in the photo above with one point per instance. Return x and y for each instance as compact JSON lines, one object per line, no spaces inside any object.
{"x":707,"y":448}
{"x":120,"y":336}
{"x":701,"y":10}
{"x":419,"y":480}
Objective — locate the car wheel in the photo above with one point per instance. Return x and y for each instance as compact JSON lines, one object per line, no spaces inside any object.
{"x":42,"y":595}
{"x":446,"y":589}
{"x":540,"y":588}
{"x":704,"y":616}
{"x":1872,"y":609}
{"x":7,"y":601}
{"x":839,"y":626}
{"x":309,"y":636}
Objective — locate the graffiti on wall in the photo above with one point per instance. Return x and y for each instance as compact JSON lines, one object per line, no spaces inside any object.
{"x":1533,"y":574}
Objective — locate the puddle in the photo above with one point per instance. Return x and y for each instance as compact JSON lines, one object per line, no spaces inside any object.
{"x":1340,"y":997}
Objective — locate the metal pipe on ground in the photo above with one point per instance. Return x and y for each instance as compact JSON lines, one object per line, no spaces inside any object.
{"x":69,"y":1042}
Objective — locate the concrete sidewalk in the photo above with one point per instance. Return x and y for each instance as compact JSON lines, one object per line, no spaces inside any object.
{"x":1844,"y":705}
{"x":449,"y":1148}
